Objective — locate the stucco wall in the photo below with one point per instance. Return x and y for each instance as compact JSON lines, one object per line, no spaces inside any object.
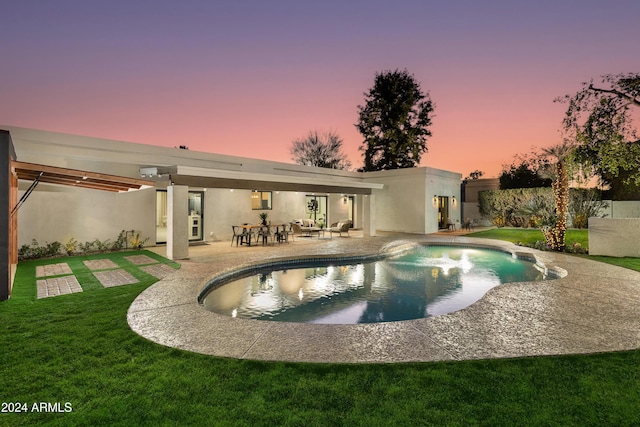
{"x":58,"y":213}
{"x":474,"y":186}
{"x":55,"y":213}
{"x":622,"y":209}
{"x":442,"y":183}
{"x":223,"y":208}
{"x":614,"y":237}
{"x":470,"y":207}
{"x":405,"y":204}
{"x":400,"y":206}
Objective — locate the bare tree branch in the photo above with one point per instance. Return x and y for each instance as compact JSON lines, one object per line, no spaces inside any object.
{"x":630,"y":98}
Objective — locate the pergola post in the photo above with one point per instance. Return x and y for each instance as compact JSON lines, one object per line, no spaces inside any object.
{"x":8,"y":222}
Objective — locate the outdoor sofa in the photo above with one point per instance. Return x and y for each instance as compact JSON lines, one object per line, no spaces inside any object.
{"x":304,"y":226}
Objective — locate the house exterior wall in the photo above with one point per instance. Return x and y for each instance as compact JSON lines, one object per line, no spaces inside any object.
{"x":55,"y":213}
{"x":223,"y":208}
{"x":87,"y":215}
{"x":401,"y":206}
{"x":406,"y":204}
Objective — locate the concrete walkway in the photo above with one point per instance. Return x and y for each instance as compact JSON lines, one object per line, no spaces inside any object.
{"x":593,"y":309}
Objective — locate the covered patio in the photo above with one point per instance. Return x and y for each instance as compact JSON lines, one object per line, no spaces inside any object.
{"x":180,"y":179}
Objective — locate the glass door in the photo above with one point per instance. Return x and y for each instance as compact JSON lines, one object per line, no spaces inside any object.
{"x":195,"y":215}
{"x":161,"y":216}
{"x":351,"y":207}
{"x":317,"y":209}
{"x":194,"y":212}
{"x":443,"y":212}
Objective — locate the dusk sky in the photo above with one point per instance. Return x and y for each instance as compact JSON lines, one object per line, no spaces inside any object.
{"x":246,"y":78}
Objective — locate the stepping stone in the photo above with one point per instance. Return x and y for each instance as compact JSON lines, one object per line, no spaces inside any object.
{"x":53,"y":270}
{"x":159,"y":270}
{"x":58,"y":286}
{"x":100,"y":264}
{"x":140,"y":259}
{"x":115,"y":278}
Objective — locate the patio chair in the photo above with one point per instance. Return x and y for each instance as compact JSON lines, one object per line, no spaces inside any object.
{"x":340,"y":227}
{"x":286,"y":231}
{"x":239,"y":235}
{"x":296,"y":228}
{"x":265,"y":233}
{"x":469,"y":224}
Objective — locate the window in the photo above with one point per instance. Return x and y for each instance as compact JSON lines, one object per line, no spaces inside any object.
{"x":260,"y":200}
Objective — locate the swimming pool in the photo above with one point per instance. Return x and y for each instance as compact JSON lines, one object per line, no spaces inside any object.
{"x":425,"y":282}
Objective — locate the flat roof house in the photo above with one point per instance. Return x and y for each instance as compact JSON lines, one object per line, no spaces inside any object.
{"x":184,"y":196}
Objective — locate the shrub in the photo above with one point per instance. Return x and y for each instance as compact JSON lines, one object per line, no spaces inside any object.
{"x":120,"y":241}
{"x":542,"y":245}
{"x":72,"y":246}
{"x":137,"y":241}
{"x":534,"y":207}
{"x":515,"y":207}
{"x":102,"y":246}
{"x":585,"y":204}
{"x":36,"y":251}
{"x":86,"y":247}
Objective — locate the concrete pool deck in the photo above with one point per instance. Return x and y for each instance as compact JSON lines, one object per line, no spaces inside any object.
{"x":595,"y":308}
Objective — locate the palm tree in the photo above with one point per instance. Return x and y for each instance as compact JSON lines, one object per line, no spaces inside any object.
{"x":559,"y":156}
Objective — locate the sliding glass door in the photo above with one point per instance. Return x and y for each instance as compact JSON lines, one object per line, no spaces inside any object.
{"x":194,"y":215}
{"x":317,"y":208}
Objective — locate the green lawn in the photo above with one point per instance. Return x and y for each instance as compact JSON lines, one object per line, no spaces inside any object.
{"x":79,"y":349}
{"x":531,"y":235}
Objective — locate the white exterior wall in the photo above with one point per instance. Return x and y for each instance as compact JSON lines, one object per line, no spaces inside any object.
{"x":59,"y":213}
{"x":56,"y":213}
{"x":401,"y":206}
{"x":406,"y":202}
{"x":224,"y":208}
{"x":338,"y":209}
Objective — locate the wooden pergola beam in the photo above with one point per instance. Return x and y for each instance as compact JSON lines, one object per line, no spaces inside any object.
{"x":77,"y":178}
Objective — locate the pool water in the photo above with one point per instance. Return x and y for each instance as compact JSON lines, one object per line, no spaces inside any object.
{"x":428,"y":281}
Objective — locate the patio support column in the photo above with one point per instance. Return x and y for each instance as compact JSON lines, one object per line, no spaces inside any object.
{"x":8,"y":222}
{"x":369,"y":215}
{"x":177,"y":225}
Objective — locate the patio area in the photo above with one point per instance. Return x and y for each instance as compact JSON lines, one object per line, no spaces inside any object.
{"x":593,"y":309}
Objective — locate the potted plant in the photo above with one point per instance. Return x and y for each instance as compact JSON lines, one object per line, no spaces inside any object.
{"x":263,"y":217}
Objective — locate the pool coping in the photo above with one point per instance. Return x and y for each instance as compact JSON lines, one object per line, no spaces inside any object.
{"x":569,"y":315}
